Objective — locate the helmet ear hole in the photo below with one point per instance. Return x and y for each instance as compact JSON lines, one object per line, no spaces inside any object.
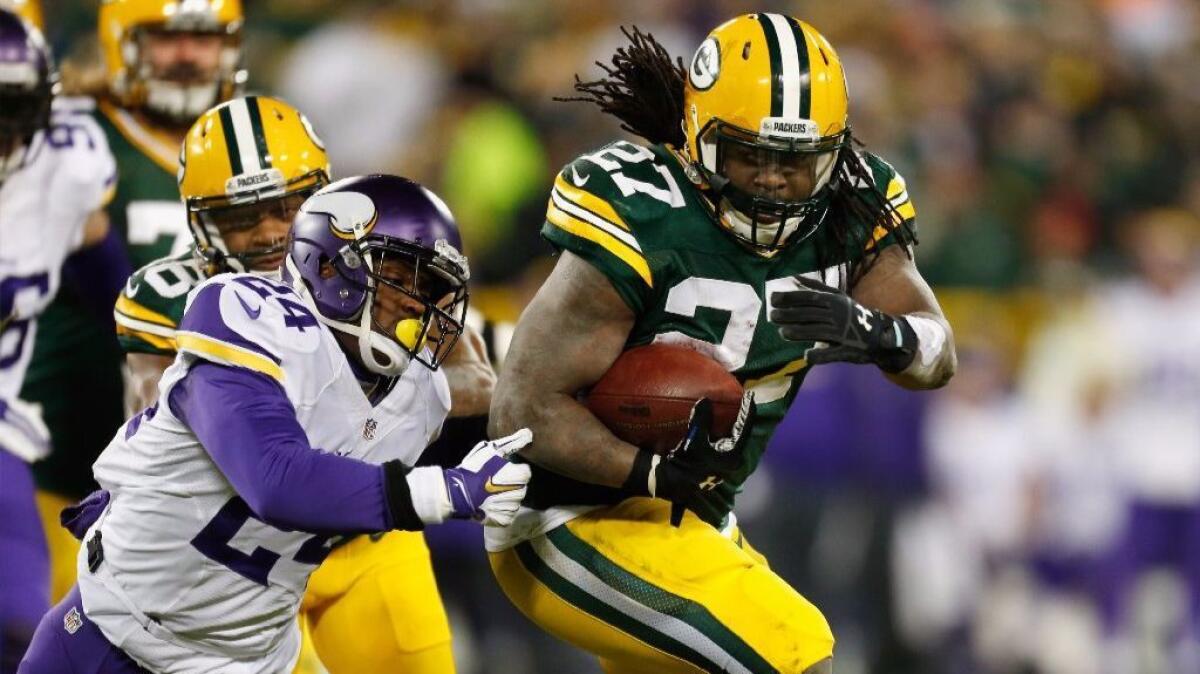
{"x":326,"y":267}
{"x":746,"y":51}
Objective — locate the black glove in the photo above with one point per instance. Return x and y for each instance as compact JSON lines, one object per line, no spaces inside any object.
{"x":854,"y":333}
{"x":694,"y":475}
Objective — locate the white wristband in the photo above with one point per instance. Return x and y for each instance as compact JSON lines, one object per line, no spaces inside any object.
{"x":431,"y":501}
{"x":931,"y":342}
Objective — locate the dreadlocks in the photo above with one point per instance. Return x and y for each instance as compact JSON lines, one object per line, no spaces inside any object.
{"x":643,"y":88}
{"x":856,"y":198}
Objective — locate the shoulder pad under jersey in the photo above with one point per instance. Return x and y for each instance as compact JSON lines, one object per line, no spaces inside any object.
{"x":600,"y":203}
{"x":888,"y":181}
{"x":245,"y":320}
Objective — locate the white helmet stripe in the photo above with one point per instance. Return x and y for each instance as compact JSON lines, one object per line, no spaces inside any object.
{"x":243,"y":134}
{"x":789,"y":56}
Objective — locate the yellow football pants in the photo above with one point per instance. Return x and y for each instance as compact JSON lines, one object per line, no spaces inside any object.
{"x":64,"y":549}
{"x":373,"y":606}
{"x":622,"y":583}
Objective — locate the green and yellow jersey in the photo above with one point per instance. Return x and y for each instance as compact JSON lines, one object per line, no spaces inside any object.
{"x":151,"y":305}
{"x":632,"y":212}
{"x":75,"y":372}
{"x":147,"y":208}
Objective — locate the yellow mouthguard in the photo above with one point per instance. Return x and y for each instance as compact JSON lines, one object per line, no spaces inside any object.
{"x":408,"y":332}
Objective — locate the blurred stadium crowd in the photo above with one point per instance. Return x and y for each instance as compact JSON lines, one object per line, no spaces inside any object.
{"x":1042,"y":513}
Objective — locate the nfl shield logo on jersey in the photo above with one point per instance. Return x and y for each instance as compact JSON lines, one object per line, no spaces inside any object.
{"x":369,"y":429}
{"x":72,"y":621}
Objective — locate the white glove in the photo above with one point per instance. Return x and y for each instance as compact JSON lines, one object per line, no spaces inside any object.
{"x":485,"y":486}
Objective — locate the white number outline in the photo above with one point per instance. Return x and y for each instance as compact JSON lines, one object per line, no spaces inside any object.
{"x":629,"y":153}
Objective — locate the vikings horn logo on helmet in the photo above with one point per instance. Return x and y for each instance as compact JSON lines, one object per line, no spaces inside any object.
{"x":352,"y":215}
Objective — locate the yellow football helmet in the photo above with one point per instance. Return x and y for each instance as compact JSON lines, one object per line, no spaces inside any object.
{"x":123,"y":24}
{"x":766,"y":91}
{"x":239,"y":160}
{"x":30,"y":10}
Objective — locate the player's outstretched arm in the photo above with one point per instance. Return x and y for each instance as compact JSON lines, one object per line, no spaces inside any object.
{"x":891,"y":319}
{"x":249,"y":428}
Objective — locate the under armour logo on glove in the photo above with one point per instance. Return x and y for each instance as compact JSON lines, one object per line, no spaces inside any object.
{"x":864,"y":317}
{"x":486,"y":486}
{"x":845,"y":330}
{"x":695,"y":475}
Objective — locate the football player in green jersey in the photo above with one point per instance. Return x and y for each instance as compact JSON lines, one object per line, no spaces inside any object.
{"x":752,"y":228}
{"x":165,"y":62}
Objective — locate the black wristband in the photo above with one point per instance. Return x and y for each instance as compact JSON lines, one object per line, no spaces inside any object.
{"x":638,"y":482}
{"x":399,"y":501}
{"x":901,"y":349}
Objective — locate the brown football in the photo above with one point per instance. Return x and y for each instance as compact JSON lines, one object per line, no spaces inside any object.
{"x":647,"y":395}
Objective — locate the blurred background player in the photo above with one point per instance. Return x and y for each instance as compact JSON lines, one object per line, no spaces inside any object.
{"x":389,"y":576}
{"x":302,"y":406}
{"x":750,"y":203}
{"x":1144,"y":429}
{"x":56,"y":175}
{"x":164,"y":63}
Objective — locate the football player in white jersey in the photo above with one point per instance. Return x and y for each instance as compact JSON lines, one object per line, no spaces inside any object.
{"x":291,"y":416}
{"x":55,"y":174}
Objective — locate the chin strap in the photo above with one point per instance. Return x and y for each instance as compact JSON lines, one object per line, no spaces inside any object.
{"x":369,"y":341}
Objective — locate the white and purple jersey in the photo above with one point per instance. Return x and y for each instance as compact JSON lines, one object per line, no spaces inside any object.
{"x":68,"y":174}
{"x":1153,"y":417}
{"x":208,"y":540}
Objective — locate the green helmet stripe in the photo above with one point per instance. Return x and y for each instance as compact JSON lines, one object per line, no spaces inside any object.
{"x":776,"y":64}
{"x":231,"y":146}
{"x":260,"y":136}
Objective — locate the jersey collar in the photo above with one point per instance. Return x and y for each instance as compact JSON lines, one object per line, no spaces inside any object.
{"x":160,"y":146}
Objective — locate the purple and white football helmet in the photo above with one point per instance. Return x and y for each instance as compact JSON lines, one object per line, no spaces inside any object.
{"x":27,"y":84}
{"x":339,"y":243}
